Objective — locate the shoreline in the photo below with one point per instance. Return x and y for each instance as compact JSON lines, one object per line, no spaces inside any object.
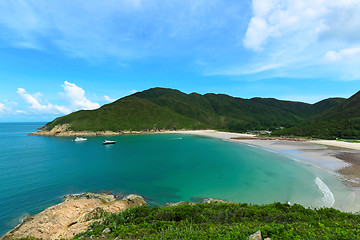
{"x":323,"y":154}
{"x":336,"y":157}
{"x":340,"y":162}
{"x":339,"y":159}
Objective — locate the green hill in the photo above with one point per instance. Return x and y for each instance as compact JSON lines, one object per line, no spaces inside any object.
{"x":339,"y":121}
{"x":162,"y":108}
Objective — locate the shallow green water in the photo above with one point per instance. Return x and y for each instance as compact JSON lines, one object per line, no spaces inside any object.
{"x":35,"y":172}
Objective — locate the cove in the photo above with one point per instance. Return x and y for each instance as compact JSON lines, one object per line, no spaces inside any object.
{"x":35,"y":172}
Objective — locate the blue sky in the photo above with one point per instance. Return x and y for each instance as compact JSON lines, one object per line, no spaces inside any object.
{"x":60,"y":56}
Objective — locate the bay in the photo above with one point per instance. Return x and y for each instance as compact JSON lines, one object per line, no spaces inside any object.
{"x":36,"y":172}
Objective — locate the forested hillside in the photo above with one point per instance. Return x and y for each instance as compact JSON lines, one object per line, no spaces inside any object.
{"x":161,"y":108}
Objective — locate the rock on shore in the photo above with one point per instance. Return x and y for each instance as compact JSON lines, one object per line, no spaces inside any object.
{"x":63,"y":130}
{"x":72,"y":216}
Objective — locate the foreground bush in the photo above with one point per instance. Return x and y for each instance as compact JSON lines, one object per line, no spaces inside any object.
{"x":226,"y":221}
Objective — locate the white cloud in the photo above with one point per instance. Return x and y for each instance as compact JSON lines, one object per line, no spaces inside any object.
{"x":3,"y":108}
{"x":246,"y":70}
{"x":20,"y":111}
{"x":8,"y":110}
{"x":36,"y":106}
{"x":11,"y":102}
{"x":133,"y":91}
{"x":257,"y":33}
{"x":274,"y":19}
{"x":298,"y":38}
{"x":125,"y":29}
{"x":109,"y":99}
{"x":73,"y":94}
{"x":344,"y":54}
{"x":76,"y":97}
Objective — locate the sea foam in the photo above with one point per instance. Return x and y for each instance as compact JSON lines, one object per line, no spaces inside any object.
{"x":328,"y":200}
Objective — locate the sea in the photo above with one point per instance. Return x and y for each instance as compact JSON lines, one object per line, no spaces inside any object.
{"x":37,"y":172}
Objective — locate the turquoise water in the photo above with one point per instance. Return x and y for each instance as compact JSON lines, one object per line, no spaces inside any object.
{"x":35,"y":172}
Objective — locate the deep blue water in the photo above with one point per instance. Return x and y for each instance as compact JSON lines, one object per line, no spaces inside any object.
{"x":36,"y":172}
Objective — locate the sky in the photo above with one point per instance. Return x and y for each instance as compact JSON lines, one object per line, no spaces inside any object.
{"x":60,"y":56}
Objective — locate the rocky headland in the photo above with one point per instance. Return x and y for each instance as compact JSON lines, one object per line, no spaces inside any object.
{"x":64,"y":130}
{"x":72,"y":216}
{"x":77,"y":212}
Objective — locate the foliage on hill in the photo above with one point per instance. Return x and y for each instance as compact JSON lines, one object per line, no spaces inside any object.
{"x":340,"y":121}
{"x":161,"y":108}
{"x":226,"y":221}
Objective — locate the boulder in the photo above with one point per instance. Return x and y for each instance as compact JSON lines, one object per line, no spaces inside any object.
{"x":102,"y":196}
{"x":134,"y":200}
{"x":256,"y":236}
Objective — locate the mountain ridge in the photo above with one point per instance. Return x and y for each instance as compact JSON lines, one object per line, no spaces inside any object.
{"x":339,"y":121}
{"x":170,"y":109}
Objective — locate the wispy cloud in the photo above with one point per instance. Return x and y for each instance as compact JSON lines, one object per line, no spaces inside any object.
{"x":125,"y":29}
{"x":11,"y":102}
{"x":276,"y":19}
{"x":109,"y":99}
{"x":277,"y":37}
{"x":3,"y":108}
{"x":246,"y":70}
{"x":298,"y":36}
{"x":344,"y":54}
{"x":36,"y":106}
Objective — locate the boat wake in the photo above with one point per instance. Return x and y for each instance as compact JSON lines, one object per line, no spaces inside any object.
{"x":328,"y":200}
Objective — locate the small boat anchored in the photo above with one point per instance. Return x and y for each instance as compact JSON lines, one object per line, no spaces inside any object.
{"x":80,"y":139}
{"x":107,"y":142}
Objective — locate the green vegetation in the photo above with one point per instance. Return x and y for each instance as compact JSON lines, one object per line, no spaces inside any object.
{"x":160,"y":108}
{"x":226,"y":221}
{"x":340,"y":121}
{"x":349,"y":140}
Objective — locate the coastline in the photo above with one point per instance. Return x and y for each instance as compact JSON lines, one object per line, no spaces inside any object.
{"x":340,"y":159}
{"x":328,"y":155}
{"x":342,"y":162}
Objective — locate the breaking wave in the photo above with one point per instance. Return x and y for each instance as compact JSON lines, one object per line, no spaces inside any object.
{"x":328,"y":200}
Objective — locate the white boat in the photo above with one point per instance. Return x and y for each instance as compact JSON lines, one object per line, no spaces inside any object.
{"x":80,"y":139}
{"x":106,"y":142}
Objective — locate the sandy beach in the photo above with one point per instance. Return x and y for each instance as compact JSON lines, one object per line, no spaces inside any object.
{"x":341,"y":159}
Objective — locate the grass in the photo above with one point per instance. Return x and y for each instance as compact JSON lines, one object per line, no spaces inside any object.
{"x":226,"y":221}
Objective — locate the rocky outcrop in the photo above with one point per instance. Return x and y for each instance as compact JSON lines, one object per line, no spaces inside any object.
{"x":65,"y":131}
{"x":72,"y":216}
{"x":102,"y":196}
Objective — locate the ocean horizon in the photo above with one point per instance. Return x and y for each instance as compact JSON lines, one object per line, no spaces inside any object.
{"x":36,"y":172}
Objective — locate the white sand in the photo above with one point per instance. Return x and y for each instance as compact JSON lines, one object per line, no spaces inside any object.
{"x":319,"y":153}
{"x":314,"y":154}
{"x":335,"y":143}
